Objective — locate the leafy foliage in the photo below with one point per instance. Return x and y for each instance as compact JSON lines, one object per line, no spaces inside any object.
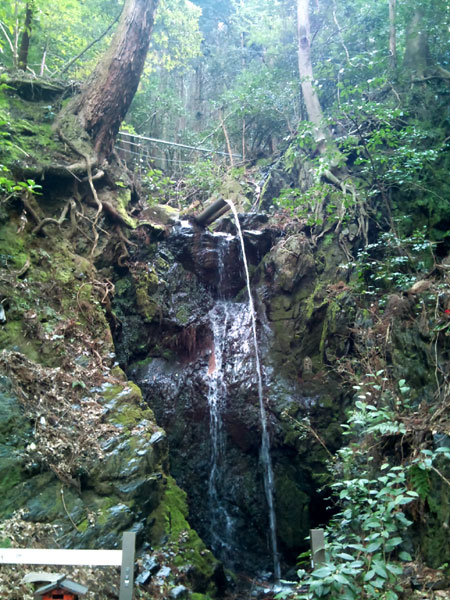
{"x":393,"y":262}
{"x":365,"y":540}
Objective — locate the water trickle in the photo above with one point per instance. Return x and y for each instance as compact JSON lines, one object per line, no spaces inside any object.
{"x":265,"y":440}
{"x":220,"y":520}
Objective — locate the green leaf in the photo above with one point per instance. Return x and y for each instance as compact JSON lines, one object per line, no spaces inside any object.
{"x":394,"y":569}
{"x":374,"y":546}
{"x":369,"y":575}
{"x":379,"y":568}
{"x":345,"y":556}
{"x":324,"y":571}
{"x":341,"y":578}
{"x":406,"y":556}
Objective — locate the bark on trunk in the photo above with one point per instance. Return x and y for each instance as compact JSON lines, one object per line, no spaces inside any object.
{"x":392,"y":35}
{"x":22,"y":60}
{"x":310,"y":97}
{"x":107,"y":95}
{"x":417,"y":55}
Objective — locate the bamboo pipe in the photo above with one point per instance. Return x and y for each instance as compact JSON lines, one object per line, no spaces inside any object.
{"x":211,"y":212}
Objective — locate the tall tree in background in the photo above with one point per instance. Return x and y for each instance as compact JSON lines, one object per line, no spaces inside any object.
{"x":26,"y":36}
{"x":336,"y":171}
{"x":313,"y":107}
{"x":418,"y":61}
{"x":392,"y":35}
{"x":107,"y":95}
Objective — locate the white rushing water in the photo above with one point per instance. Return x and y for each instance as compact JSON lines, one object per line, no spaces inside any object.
{"x":265,"y":440}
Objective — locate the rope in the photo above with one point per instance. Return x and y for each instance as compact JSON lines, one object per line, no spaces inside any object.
{"x":177,"y":145}
{"x":149,"y":157}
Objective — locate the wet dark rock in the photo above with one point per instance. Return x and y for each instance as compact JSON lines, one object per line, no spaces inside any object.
{"x":253,"y":221}
{"x":194,"y":267}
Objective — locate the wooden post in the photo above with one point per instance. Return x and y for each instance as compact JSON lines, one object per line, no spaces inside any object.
{"x":317,"y":547}
{"x":127,"y":568}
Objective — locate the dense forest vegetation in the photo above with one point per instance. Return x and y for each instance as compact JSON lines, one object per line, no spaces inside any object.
{"x":125,"y":126}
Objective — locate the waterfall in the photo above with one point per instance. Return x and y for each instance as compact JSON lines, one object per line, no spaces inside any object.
{"x":221,"y":521}
{"x":265,"y":441}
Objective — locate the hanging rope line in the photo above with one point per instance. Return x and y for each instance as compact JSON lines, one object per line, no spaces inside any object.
{"x":175,"y":144}
{"x":143,"y":148}
{"x":148,"y":156}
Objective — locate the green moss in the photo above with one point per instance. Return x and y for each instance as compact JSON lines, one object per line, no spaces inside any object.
{"x":311,"y":303}
{"x":122,"y":200}
{"x":83,"y":526}
{"x":146,"y":285}
{"x":435,"y":544}
{"x":118,"y":373}
{"x":103,"y":511}
{"x":183,"y":315}
{"x":123,"y":286}
{"x":28,"y":125}
{"x":126,"y":404}
{"x":10,"y":476}
{"x":170,"y":517}
{"x":292,"y":511}
{"x":12,"y":247}
{"x":170,"y":523}
{"x":12,"y":336}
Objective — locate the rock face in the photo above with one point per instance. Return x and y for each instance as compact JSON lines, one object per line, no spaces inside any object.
{"x":81,"y":456}
{"x":196,"y":366}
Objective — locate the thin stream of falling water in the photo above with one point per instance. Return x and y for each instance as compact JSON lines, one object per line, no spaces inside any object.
{"x":221,"y":522}
{"x":265,"y":441}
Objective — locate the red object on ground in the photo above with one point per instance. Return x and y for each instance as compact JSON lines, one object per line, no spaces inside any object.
{"x":59,"y":594}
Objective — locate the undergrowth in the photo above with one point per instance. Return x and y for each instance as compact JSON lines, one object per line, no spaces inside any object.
{"x":386,"y":477}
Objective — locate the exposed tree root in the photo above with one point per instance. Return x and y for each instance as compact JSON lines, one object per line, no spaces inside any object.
{"x":49,"y":220}
{"x":124,"y":242}
{"x":89,"y":162}
{"x":30,"y":210}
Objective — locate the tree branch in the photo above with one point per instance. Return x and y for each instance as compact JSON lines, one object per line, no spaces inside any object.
{"x":89,"y":46}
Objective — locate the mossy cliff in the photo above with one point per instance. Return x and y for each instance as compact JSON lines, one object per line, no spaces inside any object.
{"x":329,"y":331}
{"x":81,"y":456}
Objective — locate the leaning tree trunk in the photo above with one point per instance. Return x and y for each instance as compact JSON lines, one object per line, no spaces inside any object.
{"x":103,"y":104}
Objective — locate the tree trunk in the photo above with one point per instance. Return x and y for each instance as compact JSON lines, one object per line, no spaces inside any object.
{"x":22,"y":59}
{"x":392,"y":35}
{"x":313,"y":108}
{"x":417,"y":62}
{"x":417,"y":55}
{"x":107,"y":96}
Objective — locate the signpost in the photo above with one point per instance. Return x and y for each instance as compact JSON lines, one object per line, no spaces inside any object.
{"x":317,"y":547}
{"x":117,"y":558}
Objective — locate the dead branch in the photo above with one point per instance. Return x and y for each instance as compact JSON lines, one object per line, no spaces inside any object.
{"x":89,"y":46}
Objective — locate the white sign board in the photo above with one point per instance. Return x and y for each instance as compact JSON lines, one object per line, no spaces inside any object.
{"x":38,"y":556}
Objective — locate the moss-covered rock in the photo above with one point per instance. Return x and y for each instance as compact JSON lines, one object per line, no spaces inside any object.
{"x":170,"y":527}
